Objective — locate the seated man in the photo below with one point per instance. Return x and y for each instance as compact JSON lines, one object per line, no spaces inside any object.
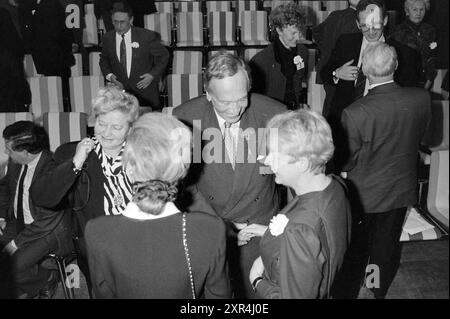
{"x":27,"y":232}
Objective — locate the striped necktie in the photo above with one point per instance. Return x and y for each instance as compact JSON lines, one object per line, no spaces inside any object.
{"x":360,"y":85}
{"x":20,"y":219}
{"x":229,"y":142}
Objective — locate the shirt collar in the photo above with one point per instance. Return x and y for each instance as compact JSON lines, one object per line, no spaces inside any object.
{"x":134,"y":212}
{"x":127,"y":35}
{"x":222,"y":121}
{"x":372,"y":86}
{"x":34,"y":162}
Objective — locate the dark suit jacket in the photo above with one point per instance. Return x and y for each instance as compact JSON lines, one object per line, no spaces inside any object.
{"x":348,"y":47}
{"x":267,"y":77}
{"x":150,"y":57}
{"x":60,"y":187}
{"x":243,"y":195}
{"x":384,"y":130}
{"x":46,"y":221}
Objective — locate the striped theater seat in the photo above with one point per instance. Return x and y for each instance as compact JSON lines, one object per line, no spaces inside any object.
{"x":46,"y":95}
{"x":5,"y":120}
{"x":77,"y":68}
{"x":222,"y":28}
{"x":164,"y":7}
{"x":30,"y":68}
{"x":214,"y":52}
{"x":438,"y":187}
{"x":188,"y":6}
{"x":189,"y":29}
{"x":101,"y":26}
{"x":312,"y":10}
{"x":335,"y":5}
{"x":90,"y":32}
{"x":222,"y":6}
{"x":437,"y":136}
{"x":241,"y":6}
{"x":183,"y":87}
{"x":161,"y":23}
{"x":417,"y":228}
{"x":321,"y":16}
{"x":94,"y":64}
{"x":437,"y":83}
{"x":312,"y":54}
{"x":253,"y":28}
{"x":316,"y":94}
{"x":89,"y":8}
{"x":82,"y":90}
{"x":64,"y":127}
{"x":250,"y":53}
{"x":187,"y":62}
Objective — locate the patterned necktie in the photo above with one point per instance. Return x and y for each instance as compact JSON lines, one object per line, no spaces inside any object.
{"x":20,"y":219}
{"x":229,"y":143}
{"x":360,"y":85}
{"x":123,"y":54}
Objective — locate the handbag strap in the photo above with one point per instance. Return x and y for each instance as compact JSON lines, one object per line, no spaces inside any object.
{"x":186,"y":253}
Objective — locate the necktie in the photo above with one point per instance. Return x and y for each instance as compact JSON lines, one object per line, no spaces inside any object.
{"x":20,"y":220}
{"x":123,"y":54}
{"x":229,"y":142}
{"x":360,"y":85}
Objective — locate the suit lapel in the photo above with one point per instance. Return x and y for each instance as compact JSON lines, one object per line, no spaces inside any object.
{"x":134,"y":38}
{"x":45,"y":157}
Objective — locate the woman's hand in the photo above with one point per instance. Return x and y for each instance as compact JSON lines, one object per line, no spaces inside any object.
{"x":257,"y":269}
{"x":85,"y":146}
{"x":255,"y":229}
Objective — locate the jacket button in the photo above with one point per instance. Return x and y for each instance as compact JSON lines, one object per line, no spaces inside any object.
{"x":211,"y":197}
{"x":257,"y":199}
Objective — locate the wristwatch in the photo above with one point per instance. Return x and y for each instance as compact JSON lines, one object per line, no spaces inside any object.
{"x":75,"y":169}
{"x":335,"y":75}
{"x":256,"y":282}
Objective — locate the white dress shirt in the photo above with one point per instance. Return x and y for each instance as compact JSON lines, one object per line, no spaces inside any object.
{"x":234,"y":128}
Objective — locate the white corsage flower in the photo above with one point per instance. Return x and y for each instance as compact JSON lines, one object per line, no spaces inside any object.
{"x":277,"y":224}
{"x":135,"y":45}
{"x":433,"y":45}
{"x":298,"y":61}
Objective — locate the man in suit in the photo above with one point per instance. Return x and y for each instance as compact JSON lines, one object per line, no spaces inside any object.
{"x":384,"y":130}
{"x":133,"y":58}
{"x":343,"y":68}
{"x":339,"y":22}
{"x":28,"y":232}
{"x":226,"y":172}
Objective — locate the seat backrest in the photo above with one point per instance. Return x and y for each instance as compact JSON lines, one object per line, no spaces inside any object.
{"x":94,"y":63}
{"x":46,"y":95}
{"x":164,"y":6}
{"x":30,"y":68}
{"x":90,"y":35}
{"x":437,"y":134}
{"x":312,"y":11}
{"x":64,"y":127}
{"x":5,"y":120}
{"x":334,"y":5}
{"x":82,"y":90}
{"x":316,"y":93}
{"x":162,"y":24}
{"x":212,"y":53}
{"x":189,"y":29}
{"x":77,"y":68}
{"x":187,"y":62}
{"x":188,"y":6}
{"x":254,"y":27}
{"x":438,"y":187}
{"x":312,"y":53}
{"x":250,"y":53}
{"x":212,"y":6}
{"x":222,"y":28}
{"x":244,"y":5}
{"x":437,"y":83}
{"x":183,"y":87}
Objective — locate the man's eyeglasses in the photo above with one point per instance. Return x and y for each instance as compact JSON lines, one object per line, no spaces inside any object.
{"x":240,"y":102}
{"x":365,"y":28}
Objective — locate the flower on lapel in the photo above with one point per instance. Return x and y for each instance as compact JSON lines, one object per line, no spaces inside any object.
{"x":433,"y":45}
{"x":278,"y":224}
{"x":298,"y":61}
{"x":135,"y":45}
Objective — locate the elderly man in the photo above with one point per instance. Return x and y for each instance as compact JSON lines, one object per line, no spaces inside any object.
{"x":384,"y":130}
{"x":343,"y":67}
{"x":133,"y":58}
{"x":234,"y":184}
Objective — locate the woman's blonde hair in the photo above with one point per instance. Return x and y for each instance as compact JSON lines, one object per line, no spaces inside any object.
{"x":158,"y":152}
{"x":303,"y":133}
{"x":110,"y":99}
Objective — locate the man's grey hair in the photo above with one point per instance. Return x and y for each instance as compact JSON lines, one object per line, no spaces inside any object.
{"x":379,"y":60}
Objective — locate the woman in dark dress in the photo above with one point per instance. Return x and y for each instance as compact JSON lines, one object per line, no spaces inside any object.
{"x":279,"y":70}
{"x":419,"y":36}
{"x":304,"y":245}
{"x":154,"y":250}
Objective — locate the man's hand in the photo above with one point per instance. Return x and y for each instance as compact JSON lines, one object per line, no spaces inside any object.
{"x":10,"y":248}
{"x":257,"y":269}
{"x":255,"y":229}
{"x":2,"y":226}
{"x":347,"y":72}
{"x":113,"y":80}
{"x":242,"y":237}
{"x":147,"y":78}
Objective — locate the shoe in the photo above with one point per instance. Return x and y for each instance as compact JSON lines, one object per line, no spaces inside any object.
{"x":49,"y":291}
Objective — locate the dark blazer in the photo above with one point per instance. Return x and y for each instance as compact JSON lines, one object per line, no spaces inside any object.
{"x":267,"y":78}
{"x":348,"y":47}
{"x":150,"y":57}
{"x":243,"y":195}
{"x":384,"y":130}
{"x":60,"y":187}
{"x":46,"y":221}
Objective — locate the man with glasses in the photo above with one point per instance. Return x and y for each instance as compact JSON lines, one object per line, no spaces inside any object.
{"x":343,"y":69}
{"x":226,"y":172}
